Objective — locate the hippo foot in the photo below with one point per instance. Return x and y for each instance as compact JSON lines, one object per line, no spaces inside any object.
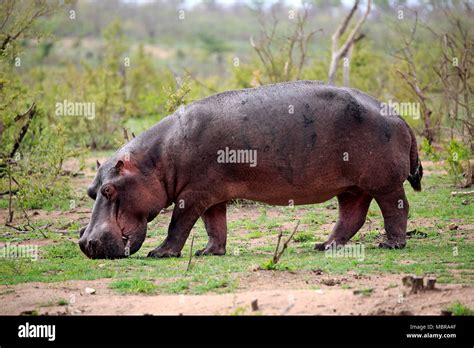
{"x":392,"y":245}
{"x":211,"y":251}
{"x":160,"y":253}
{"x":320,"y":246}
{"x":328,"y":245}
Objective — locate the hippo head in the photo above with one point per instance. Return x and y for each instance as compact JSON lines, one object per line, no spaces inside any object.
{"x":126,"y":199}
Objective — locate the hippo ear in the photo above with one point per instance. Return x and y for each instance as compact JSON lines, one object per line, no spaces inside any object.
{"x":124,"y":167}
{"x":119,"y":166}
{"x":97,"y":164}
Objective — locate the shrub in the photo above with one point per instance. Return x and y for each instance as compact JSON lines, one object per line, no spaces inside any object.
{"x":457,"y":155}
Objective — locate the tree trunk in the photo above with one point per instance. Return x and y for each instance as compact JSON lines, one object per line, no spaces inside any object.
{"x":346,"y":67}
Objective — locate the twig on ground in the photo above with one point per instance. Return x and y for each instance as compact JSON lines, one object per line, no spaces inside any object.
{"x":190,"y":255}
{"x":278,"y":255}
{"x":19,"y":228}
{"x":462,"y":193}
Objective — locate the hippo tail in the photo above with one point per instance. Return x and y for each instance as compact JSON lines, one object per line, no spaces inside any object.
{"x":416,"y":169}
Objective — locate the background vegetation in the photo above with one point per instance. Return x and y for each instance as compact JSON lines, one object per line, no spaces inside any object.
{"x":138,"y":61}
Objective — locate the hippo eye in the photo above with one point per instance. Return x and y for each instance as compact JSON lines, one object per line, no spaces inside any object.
{"x":107,"y":191}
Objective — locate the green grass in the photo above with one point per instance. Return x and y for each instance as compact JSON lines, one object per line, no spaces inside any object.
{"x":55,"y":302}
{"x":364,"y":292}
{"x":138,"y":286}
{"x":459,"y":309}
{"x":269,"y":265}
{"x":303,"y":237}
{"x":445,"y":254}
{"x":49,"y":204}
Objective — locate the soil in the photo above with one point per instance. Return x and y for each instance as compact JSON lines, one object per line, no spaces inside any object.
{"x":301,"y":293}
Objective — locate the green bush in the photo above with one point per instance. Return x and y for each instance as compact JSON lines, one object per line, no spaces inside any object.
{"x":428,"y":150}
{"x":457,"y":155}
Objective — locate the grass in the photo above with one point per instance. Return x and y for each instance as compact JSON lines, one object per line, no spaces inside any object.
{"x":191,"y":285}
{"x":269,"y":265}
{"x":364,"y":291}
{"x":55,"y":302}
{"x":443,"y":253}
{"x":458,"y":309}
{"x":139,"y":286}
{"x":303,"y":237}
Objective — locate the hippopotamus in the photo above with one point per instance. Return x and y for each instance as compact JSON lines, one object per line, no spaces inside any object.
{"x":291,"y":143}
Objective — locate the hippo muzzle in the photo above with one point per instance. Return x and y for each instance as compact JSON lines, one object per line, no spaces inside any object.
{"x":102,"y":243}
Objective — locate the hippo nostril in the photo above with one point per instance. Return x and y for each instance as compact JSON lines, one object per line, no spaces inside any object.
{"x":92,"y":245}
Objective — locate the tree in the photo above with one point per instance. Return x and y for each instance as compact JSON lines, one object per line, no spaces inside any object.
{"x":455,"y":71}
{"x":283,"y":59}
{"x":418,"y":86}
{"x":345,"y":50}
{"x":31,"y":155}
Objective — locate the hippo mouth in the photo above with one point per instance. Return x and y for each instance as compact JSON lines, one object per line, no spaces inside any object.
{"x":126,"y":242}
{"x":107,"y":245}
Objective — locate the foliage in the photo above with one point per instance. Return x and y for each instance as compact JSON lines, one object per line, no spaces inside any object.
{"x":177,"y":97}
{"x":32,"y":149}
{"x":145,"y":86}
{"x":457,"y":155}
{"x":39,"y":174}
{"x":428,"y":150}
{"x":459,"y":309}
{"x":282,"y":56}
{"x":269,"y":265}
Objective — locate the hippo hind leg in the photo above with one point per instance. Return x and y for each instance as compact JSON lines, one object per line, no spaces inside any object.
{"x":353,"y":208}
{"x":216,"y":226}
{"x":394,"y":207}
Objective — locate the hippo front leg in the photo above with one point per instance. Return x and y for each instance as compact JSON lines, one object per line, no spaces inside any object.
{"x":182,"y":221}
{"x":215,"y":222}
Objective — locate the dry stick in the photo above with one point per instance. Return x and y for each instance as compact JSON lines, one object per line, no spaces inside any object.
{"x":275,"y":254}
{"x":338,"y":52}
{"x":10,"y":194}
{"x":125,"y":134}
{"x":16,"y":228}
{"x":190,"y":254}
{"x":276,"y":257}
{"x":462,"y":193}
{"x":30,"y":113}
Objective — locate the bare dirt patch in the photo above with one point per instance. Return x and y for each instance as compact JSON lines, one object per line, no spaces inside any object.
{"x":276,"y":293}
